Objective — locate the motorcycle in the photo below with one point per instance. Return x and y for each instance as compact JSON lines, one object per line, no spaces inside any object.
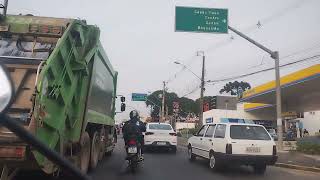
{"x":134,"y":155}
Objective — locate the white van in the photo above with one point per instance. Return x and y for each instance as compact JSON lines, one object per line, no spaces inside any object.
{"x":233,"y":144}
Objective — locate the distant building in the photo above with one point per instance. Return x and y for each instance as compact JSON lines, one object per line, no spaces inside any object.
{"x":237,"y":116}
{"x":311,"y":122}
{"x":221,"y":102}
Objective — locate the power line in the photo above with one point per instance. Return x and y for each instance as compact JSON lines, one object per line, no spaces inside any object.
{"x":191,"y":92}
{"x":264,"y":70}
{"x":260,"y":23}
{"x":306,"y":50}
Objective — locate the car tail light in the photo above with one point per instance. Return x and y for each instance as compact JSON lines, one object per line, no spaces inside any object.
{"x":20,"y":152}
{"x":173,"y":134}
{"x":274,"y":150}
{"x":229,"y":149}
{"x":132,"y":142}
{"x":149,"y":133}
{"x":12,"y":152}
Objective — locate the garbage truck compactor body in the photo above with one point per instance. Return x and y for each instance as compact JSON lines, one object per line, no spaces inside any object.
{"x":65,"y":90}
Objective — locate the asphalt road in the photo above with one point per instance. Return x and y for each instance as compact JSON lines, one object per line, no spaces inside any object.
{"x":167,"y":166}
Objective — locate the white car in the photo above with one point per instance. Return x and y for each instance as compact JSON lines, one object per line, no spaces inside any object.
{"x":233,"y":144}
{"x":160,"y":135}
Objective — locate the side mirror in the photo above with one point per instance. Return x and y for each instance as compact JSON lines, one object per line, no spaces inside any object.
{"x":123,"y":99}
{"x":123,"y":107}
{"x":195,"y":134}
{"x":6,"y":89}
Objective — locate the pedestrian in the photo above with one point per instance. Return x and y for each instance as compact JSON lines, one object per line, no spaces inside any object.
{"x":300,"y":128}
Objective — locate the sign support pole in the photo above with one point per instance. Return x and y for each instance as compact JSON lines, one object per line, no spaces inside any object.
{"x":274,"y":55}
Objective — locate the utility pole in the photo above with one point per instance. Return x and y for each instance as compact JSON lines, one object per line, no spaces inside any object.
{"x":163,"y":97}
{"x":200,"y":123}
{"x":167,"y":112}
{"x":274,"y":55}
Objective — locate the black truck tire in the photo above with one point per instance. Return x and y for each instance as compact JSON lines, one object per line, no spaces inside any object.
{"x":95,"y":150}
{"x":84,"y":156}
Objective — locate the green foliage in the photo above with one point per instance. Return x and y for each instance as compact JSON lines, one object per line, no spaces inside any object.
{"x":233,"y":87}
{"x":309,"y":145}
{"x":185,"y":133}
{"x":155,"y":101}
{"x":187,"y":106}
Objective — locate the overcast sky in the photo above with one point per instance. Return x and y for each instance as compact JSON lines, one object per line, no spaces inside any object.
{"x":139,"y":38}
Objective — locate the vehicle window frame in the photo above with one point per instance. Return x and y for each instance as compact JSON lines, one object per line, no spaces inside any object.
{"x":225,"y":130}
{"x":160,"y":129}
{"x":266,"y":133}
{"x":214,"y":128}
{"x":205,"y":130}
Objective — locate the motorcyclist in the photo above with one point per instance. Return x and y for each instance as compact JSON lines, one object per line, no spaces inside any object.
{"x":134,"y":129}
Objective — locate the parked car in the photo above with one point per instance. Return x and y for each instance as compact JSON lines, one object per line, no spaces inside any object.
{"x":273,"y":134}
{"x":160,"y":135}
{"x":233,"y":144}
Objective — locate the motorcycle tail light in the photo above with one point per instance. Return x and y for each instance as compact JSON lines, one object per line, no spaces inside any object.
{"x":132,"y":142}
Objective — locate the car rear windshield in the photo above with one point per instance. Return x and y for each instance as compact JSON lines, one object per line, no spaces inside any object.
{"x":248,"y":132}
{"x":160,"y":126}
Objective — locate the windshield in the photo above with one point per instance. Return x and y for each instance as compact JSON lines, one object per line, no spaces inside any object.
{"x":249,"y":132}
{"x":160,"y":127}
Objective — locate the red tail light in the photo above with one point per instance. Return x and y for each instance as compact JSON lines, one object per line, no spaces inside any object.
{"x":149,"y":133}
{"x":173,"y":134}
{"x":229,"y":149}
{"x":20,"y":152}
{"x":274,"y":150}
{"x":132,"y":142}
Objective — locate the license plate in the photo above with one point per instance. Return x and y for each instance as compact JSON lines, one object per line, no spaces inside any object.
{"x":161,"y":143}
{"x":253,"y":149}
{"x":132,"y":150}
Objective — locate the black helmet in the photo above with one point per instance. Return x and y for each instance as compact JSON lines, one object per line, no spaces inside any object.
{"x":134,"y":114}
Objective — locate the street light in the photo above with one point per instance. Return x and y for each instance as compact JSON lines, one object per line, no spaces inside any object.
{"x":199,"y":53}
{"x":186,"y":67}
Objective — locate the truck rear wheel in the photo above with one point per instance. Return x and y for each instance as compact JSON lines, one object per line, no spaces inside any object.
{"x":95,"y":150}
{"x":84,"y":153}
{"x":102,"y":143}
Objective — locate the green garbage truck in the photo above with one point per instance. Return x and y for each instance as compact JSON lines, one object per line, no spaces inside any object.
{"x":65,"y":92}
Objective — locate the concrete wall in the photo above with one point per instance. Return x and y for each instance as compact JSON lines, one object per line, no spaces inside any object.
{"x":181,"y":125}
{"x":311,"y":122}
{"x":227,"y":102}
{"x":218,"y":114}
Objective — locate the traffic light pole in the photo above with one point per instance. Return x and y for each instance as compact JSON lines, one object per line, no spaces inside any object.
{"x":274,"y":55}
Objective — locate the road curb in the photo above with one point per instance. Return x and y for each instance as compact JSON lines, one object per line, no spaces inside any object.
{"x":297,"y":167}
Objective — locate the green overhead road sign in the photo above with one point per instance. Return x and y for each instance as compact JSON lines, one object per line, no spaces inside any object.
{"x":139,"y":97}
{"x":206,"y":20}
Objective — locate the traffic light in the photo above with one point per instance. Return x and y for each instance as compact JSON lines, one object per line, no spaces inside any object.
{"x":213,"y":102}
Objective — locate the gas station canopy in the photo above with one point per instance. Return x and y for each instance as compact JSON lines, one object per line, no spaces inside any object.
{"x":300,"y":92}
